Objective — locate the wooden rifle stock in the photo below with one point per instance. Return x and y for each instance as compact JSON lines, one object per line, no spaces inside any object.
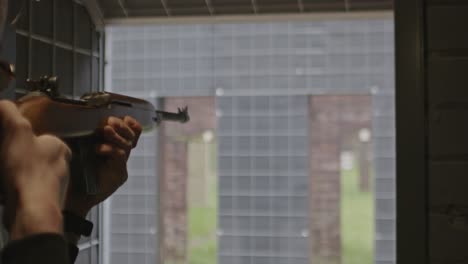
{"x":76,"y":122}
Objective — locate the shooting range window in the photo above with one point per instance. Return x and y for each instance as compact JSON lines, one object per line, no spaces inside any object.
{"x":288,"y":157}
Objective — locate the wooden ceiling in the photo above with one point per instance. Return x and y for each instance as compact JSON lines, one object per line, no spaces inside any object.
{"x":167,"y":8}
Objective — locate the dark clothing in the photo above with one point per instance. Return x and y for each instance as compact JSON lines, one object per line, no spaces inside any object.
{"x":42,"y":248}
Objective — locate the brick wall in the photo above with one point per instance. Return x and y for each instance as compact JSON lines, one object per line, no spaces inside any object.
{"x":334,"y":125}
{"x":174,"y":173}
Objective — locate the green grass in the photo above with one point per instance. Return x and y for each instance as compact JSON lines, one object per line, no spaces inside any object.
{"x":202,"y":221}
{"x":202,"y":236}
{"x":357,"y":221}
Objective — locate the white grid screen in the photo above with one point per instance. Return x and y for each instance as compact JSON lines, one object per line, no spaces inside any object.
{"x":261,"y":75}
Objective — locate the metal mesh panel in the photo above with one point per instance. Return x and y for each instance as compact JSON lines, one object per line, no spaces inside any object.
{"x":57,"y":37}
{"x":259,"y":73}
{"x":131,"y":224}
{"x":263,"y":175}
{"x":317,"y":57}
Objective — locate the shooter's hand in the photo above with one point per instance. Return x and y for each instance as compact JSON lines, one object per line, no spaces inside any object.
{"x":34,"y":176}
{"x":120,"y":136}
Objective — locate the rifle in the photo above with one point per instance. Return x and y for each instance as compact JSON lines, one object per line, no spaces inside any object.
{"x":76,"y":121}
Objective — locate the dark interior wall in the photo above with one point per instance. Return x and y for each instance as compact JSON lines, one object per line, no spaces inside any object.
{"x":57,"y":37}
{"x":8,"y":53}
{"x":447,"y":102}
{"x":432,"y":143}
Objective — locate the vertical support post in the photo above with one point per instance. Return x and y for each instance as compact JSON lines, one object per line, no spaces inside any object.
{"x":325,"y":177}
{"x":411,"y":133}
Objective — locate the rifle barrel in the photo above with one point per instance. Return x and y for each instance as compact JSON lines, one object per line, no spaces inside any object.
{"x":181,"y":116}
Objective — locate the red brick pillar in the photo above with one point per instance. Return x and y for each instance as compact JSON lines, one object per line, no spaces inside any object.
{"x":325,"y":187}
{"x":174,"y":140}
{"x":364,"y":167}
{"x":173,"y":202}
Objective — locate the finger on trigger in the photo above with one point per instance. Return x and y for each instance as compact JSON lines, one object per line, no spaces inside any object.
{"x":110,"y":121}
{"x":124,"y":130}
{"x":135,"y":126}
{"x":104,"y":149}
{"x":120,"y":153}
{"x":110,"y":150}
{"x":112,"y":136}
